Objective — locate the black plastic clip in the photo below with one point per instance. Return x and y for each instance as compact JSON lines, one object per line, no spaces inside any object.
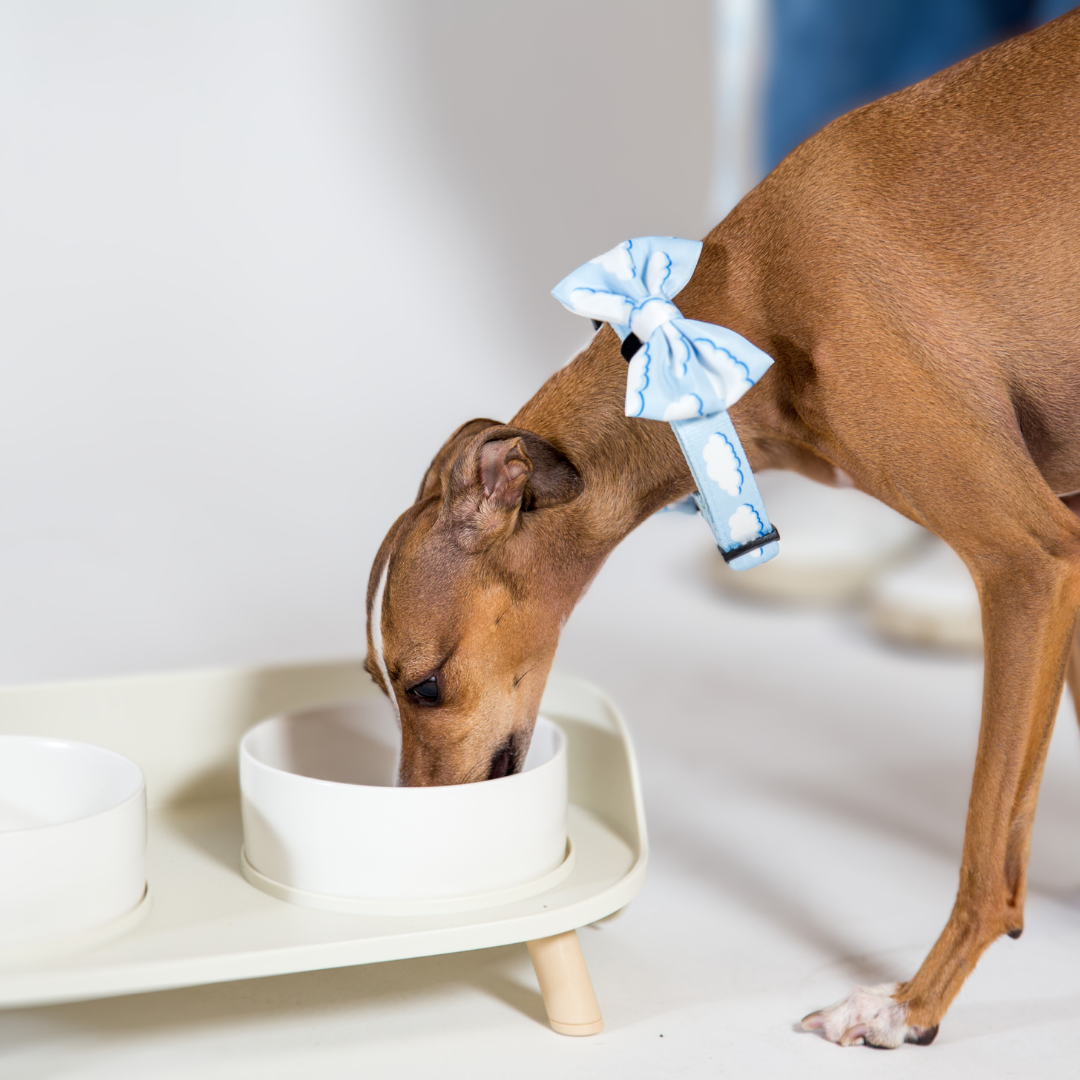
{"x":753,"y":545}
{"x":630,"y":345}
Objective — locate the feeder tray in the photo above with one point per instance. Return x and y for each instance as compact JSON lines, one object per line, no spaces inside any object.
{"x":203,"y":922}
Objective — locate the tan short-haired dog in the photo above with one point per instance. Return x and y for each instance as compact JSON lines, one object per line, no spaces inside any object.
{"x":914,"y":271}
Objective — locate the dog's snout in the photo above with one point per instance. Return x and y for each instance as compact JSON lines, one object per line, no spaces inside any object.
{"x":504,"y":761}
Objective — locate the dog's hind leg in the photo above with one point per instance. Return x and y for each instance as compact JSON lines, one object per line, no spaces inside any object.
{"x":1023,"y":549}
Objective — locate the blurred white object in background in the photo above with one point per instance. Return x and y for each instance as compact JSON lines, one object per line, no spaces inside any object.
{"x":833,"y":541}
{"x":741,"y":49}
{"x":930,"y":600}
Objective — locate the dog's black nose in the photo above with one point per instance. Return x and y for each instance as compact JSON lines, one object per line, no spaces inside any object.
{"x":502,"y":764}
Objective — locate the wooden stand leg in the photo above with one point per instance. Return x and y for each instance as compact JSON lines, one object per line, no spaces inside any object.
{"x":565,"y":985}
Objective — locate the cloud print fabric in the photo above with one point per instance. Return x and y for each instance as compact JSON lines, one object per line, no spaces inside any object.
{"x":684,"y":368}
{"x":686,"y":372}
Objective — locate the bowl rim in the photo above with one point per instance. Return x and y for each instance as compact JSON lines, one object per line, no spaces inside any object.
{"x":57,"y":742}
{"x":245,"y":755}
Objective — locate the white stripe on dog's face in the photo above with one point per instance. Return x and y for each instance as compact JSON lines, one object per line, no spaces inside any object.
{"x":377,"y":638}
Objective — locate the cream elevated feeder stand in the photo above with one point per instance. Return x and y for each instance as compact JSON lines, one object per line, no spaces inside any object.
{"x":201,"y":920}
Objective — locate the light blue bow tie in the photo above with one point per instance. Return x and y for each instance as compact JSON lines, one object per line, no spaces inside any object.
{"x":686,"y":372}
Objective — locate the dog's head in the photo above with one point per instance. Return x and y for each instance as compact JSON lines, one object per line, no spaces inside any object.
{"x":467,"y":596}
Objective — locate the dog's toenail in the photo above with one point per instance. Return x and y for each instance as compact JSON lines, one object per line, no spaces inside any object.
{"x":922,"y":1036}
{"x":854,"y":1036}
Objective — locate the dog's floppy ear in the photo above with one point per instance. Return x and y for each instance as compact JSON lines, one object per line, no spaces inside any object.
{"x":502,"y":473}
{"x":554,"y":479}
{"x":434,"y":479}
{"x":504,"y":469}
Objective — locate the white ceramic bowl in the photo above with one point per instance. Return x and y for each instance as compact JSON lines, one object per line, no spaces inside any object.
{"x":72,"y":837}
{"x":324,"y":825}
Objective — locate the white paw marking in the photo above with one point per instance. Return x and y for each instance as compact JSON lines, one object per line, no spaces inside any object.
{"x":870,"y":1015}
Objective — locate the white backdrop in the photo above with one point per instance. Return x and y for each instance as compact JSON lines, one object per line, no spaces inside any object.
{"x":258,"y":259}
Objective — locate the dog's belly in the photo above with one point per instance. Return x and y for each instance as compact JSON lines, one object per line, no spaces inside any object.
{"x":1048,"y":412}
{"x":1059,"y":462}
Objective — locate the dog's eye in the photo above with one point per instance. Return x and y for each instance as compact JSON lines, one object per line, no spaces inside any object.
{"x":426,"y":692}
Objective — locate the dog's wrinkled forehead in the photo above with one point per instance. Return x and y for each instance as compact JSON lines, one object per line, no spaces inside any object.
{"x":412,"y":568}
{"x":423,"y":586}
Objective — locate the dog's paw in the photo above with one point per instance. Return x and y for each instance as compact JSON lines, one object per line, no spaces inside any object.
{"x":871,"y":1016}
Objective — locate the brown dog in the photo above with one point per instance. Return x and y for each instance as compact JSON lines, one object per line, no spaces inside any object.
{"x":914,"y":271}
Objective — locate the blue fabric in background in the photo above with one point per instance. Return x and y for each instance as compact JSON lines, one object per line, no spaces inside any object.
{"x":830,"y":56}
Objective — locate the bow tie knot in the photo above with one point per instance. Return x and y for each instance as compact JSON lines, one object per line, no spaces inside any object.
{"x":684,"y":368}
{"x":653,"y":313}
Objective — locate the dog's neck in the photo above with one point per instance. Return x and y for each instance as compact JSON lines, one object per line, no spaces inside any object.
{"x":631,"y":467}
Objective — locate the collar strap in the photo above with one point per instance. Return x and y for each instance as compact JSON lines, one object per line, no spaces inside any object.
{"x":727,"y":494}
{"x":685,"y":372}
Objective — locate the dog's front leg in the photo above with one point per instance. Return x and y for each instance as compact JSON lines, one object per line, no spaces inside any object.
{"x":1072,"y":671}
{"x":1023,"y":549}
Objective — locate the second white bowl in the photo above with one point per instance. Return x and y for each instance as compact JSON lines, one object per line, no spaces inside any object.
{"x":325,"y":826}
{"x":72,"y":838}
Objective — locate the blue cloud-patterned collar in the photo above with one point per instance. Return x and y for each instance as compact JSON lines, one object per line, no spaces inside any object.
{"x":686,"y":373}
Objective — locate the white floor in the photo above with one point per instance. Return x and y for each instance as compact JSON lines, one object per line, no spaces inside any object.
{"x":806,"y":790}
